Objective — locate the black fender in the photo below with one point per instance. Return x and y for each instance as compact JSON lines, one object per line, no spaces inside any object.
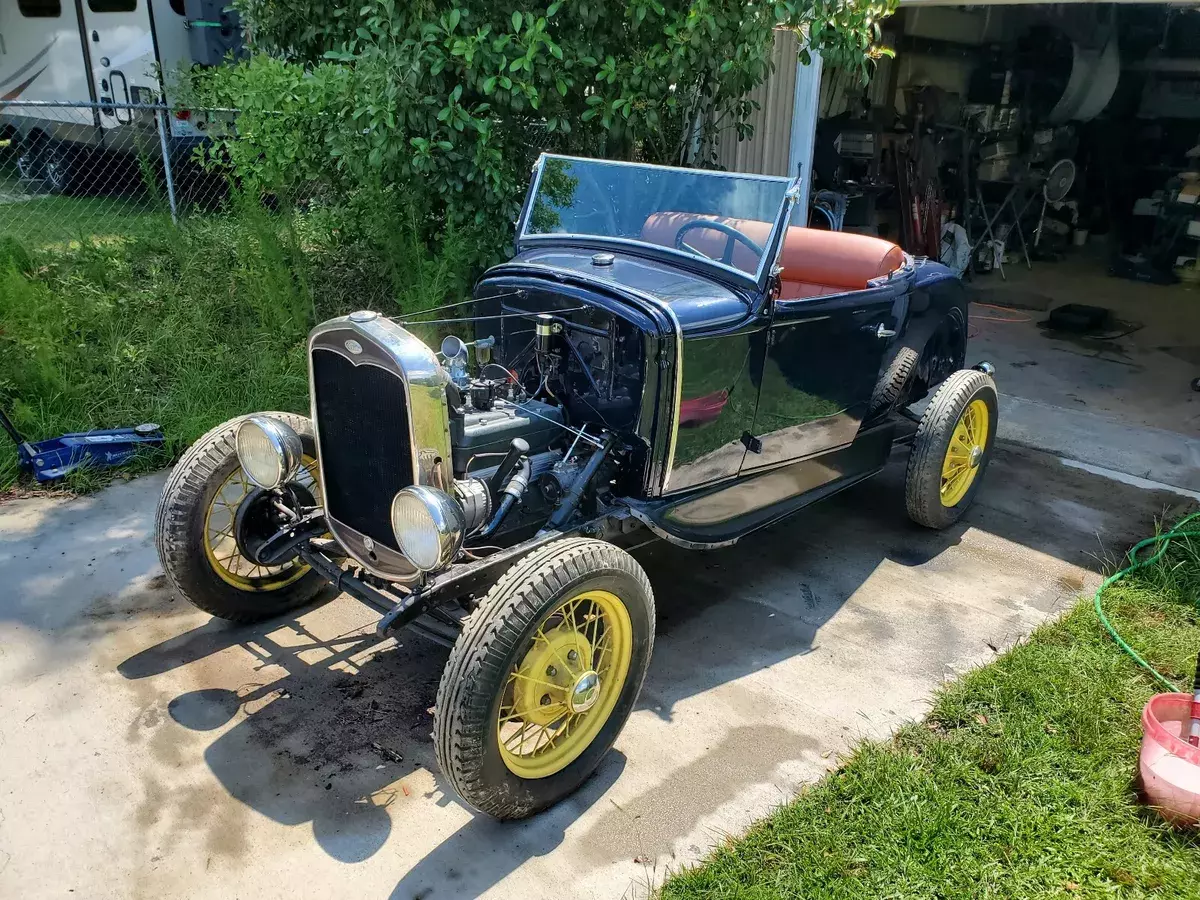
{"x":936,"y":328}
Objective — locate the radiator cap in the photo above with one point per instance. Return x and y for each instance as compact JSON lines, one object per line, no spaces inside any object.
{"x":364,"y":315}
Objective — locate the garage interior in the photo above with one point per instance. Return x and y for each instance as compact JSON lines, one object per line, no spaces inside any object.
{"x":1048,"y":152}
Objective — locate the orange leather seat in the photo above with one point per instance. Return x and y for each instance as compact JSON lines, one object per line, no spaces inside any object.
{"x":814,"y":262}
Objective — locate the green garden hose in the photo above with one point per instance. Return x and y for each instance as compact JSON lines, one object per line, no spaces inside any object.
{"x":1164,"y":542}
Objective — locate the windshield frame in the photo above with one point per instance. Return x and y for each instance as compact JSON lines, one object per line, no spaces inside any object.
{"x":756,"y":280}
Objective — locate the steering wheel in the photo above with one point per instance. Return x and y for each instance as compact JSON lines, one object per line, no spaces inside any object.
{"x":735,"y":237}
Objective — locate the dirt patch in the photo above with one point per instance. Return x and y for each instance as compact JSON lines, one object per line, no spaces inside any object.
{"x":319,"y":718}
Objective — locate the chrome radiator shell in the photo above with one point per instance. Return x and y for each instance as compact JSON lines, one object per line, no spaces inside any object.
{"x":421,"y":414}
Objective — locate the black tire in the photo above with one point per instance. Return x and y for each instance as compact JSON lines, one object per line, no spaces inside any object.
{"x":180,"y":523}
{"x":29,"y":159}
{"x":496,"y":636}
{"x":894,"y":383}
{"x":923,"y":480}
{"x":60,"y":169}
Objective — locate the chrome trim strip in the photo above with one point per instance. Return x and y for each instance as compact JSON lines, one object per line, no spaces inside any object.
{"x":778,"y":235}
{"x":621,"y":288}
{"x":661,"y":532}
{"x":527,"y":209}
{"x":678,"y":396}
{"x":678,"y":329}
{"x":639,"y":165}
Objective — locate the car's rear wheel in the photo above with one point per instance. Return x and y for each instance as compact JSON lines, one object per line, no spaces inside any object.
{"x":543,"y":677}
{"x":196,"y":523}
{"x":893,"y":384}
{"x":951,"y":449}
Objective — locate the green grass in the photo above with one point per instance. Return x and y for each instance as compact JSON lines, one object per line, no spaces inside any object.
{"x":190,"y":326}
{"x":45,"y":221}
{"x":1019,"y":783}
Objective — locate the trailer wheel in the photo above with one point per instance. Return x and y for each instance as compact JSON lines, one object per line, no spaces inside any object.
{"x":951,"y":449}
{"x":60,"y":169}
{"x":29,"y":158}
{"x":194,"y":531}
{"x":544,"y":676}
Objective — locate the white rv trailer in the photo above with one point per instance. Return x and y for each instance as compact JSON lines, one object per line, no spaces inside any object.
{"x":108,"y":53}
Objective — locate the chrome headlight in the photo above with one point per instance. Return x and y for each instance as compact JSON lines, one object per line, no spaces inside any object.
{"x":429,"y":526}
{"x":269,"y":451}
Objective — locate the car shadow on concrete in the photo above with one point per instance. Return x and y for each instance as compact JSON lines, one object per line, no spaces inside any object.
{"x":344,"y":737}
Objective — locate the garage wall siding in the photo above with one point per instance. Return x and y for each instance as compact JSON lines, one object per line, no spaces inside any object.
{"x":766,"y":153}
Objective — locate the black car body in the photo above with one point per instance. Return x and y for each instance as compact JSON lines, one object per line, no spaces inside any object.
{"x":668,"y":351}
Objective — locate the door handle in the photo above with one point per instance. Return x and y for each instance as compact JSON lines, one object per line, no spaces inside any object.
{"x":880,"y":331}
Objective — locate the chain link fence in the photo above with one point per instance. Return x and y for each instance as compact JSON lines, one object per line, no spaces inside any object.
{"x":80,"y":171}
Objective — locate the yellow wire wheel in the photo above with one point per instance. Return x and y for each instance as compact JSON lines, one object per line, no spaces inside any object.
{"x":561,"y":692}
{"x":195,"y":524}
{"x":543,"y":677}
{"x":964,"y":453}
{"x":951,"y":449}
{"x":221,"y":548}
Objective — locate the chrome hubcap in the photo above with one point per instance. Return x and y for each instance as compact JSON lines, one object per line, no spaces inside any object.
{"x":976,"y":455}
{"x":585,"y":692}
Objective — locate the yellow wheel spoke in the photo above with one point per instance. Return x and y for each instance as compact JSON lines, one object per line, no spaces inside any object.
{"x":219,"y":525}
{"x":523,"y":714}
{"x":549,"y":643}
{"x":537,"y":739}
{"x":960,"y":466}
{"x":569,"y":613}
{"x":547,"y":684}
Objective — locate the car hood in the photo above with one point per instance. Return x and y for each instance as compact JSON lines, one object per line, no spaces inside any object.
{"x":698,"y":303}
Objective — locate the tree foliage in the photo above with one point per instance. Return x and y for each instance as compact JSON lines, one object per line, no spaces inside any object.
{"x":454,"y":98}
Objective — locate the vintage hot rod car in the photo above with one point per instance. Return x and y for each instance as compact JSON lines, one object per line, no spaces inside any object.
{"x":670,"y":353}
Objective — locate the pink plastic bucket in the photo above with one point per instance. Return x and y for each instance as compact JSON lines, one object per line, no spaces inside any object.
{"x":1170,"y":766}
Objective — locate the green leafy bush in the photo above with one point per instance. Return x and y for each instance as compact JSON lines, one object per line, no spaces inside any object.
{"x":453,"y":100}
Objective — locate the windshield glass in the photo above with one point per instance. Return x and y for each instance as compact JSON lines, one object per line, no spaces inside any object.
{"x":718,"y":216}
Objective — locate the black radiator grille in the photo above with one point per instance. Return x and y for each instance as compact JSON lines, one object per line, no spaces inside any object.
{"x":366,"y":450}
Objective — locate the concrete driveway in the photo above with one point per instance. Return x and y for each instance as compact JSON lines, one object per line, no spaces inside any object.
{"x":150,"y":751}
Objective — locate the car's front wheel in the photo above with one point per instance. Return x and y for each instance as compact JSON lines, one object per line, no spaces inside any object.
{"x":543,"y":677}
{"x":196,"y":528}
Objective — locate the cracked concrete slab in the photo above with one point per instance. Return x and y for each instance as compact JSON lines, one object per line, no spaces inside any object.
{"x":180,"y":756}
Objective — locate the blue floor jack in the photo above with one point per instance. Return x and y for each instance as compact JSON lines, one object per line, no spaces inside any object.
{"x":55,"y":458}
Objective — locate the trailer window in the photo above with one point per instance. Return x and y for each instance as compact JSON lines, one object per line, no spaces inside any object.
{"x":112,"y":5}
{"x":40,"y":9}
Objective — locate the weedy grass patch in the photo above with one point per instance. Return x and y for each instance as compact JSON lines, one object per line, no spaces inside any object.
{"x":188,"y":326}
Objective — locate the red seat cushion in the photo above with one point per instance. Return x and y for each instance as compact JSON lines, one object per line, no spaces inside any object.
{"x":814,"y":262}
{"x":829,"y":262}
